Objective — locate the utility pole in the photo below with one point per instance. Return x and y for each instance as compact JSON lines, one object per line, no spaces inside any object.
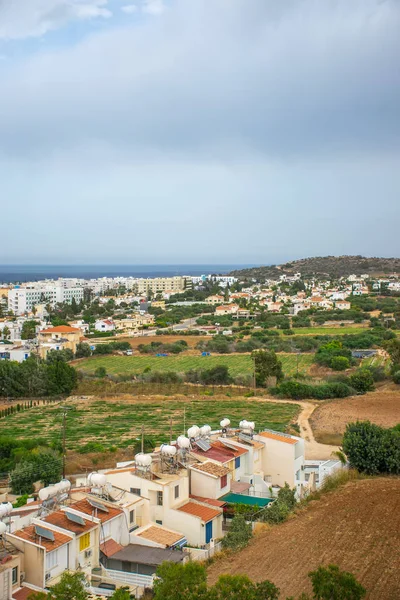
{"x":142,"y":448}
{"x":254,"y":371}
{"x":64,"y":451}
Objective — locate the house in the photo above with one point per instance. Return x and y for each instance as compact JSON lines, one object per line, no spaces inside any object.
{"x":226,"y":309}
{"x":158,"y":536}
{"x":342,"y":305}
{"x":104,"y":325}
{"x":17,"y":353}
{"x":216,"y":299}
{"x":11,"y":569}
{"x":282,"y":458}
{"x":210,"y":479}
{"x":58,"y":338}
{"x":200,"y":521}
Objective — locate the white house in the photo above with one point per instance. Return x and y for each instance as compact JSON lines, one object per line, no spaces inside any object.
{"x":104,"y":325}
{"x":17,"y":353}
{"x":209,"y":480}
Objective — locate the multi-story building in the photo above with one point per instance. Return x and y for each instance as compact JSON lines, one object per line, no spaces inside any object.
{"x":161,"y":284}
{"x":61,"y":337}
{"x":22,"y":299}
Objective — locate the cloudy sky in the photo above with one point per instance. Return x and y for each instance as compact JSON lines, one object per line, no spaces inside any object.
{"x":198,"y":131}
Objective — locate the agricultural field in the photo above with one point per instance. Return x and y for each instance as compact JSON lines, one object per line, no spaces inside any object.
{"x":356,"y":527}
{"x":347,"y":329}
{"x":329,"y":420}
{"x":117,"y":422}
{"x":239,"y":364}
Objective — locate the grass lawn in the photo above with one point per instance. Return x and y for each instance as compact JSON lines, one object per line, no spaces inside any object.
{"x":239,"y":364}
{"x":117,"y":422}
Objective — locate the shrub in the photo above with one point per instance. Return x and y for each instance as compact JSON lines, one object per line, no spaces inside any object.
{"x":372,"y":449}
{"x":100,"y":372}
{"x":238,"y":535}
{"x":340,"y":363}
{"x":396,"y":377}
{"x":362,"y":381}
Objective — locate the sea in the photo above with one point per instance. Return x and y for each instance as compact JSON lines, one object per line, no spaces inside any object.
{"x":22,"y":273}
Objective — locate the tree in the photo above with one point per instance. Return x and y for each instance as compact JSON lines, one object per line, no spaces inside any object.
{"x":44,"y":466}
{"x":82,"y":350}
{"x":238,"y":535}
{"x":330,"y":583}
{"x":61,"y":378}
{"x":64,"y":355}
{"x":340,"y":363}
{"x":266,"y":365}
{"x":372,"y":449}
{"x":180,"y":582}
{"x":72,"y":586}
{"x":122,"y":593}
{"x":266,"y":590}
{"x":393,"y":348}
{"x":233,"y":587}
{"x":28,"y":331}
{"x":6,"y":333}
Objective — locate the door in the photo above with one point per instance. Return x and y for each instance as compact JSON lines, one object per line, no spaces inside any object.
{"x":209,"y":531}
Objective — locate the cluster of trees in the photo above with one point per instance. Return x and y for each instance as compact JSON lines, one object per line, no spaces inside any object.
{"x":41,"y":464}
{"x":372,"y":449}
{"x":33,"y":378}
{"x":359,"y":382}
{"x":155,"y":347}
{"x":393,"y":348}
{"x":189,"y":581}
{"x":73,"y":586}
{"x":334,"y":356}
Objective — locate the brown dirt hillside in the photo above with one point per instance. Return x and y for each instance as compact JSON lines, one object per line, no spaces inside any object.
{"x":356,"y":527}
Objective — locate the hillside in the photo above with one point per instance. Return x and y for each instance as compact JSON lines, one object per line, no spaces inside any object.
{"x":356,"y":527}
{"x":324,"y":266}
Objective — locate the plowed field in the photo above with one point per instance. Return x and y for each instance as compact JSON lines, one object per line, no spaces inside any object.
{"x":356,"y":527}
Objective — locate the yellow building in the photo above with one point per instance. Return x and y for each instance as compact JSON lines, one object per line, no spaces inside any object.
{"x":58,"y":338}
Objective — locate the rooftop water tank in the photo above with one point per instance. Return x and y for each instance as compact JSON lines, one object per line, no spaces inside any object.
{"x":143,"y":460}
{"x":183,"y":442}
{"x":168,"y":450}
{"x":193,"y":432}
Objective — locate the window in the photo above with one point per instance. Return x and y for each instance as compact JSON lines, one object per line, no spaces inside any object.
{"x":158,"y":522}
{"x":135,"y":491}
{"x":131,"y":516}
{"x":237,"y":462}
{"x":51,"y":560}
{"x":84,"y":542}
{"x":15,"y":575}
{"x":159,"y":498}
{"x":224,"y":481}
{"x":176,"y":492}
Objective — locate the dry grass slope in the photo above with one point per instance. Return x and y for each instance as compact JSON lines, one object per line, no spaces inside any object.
{"x":356,"y":527}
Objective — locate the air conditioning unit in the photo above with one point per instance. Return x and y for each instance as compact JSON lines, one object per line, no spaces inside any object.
{"x":48,"y":575}
{"x":21,"y":577}
{"x":88,"y":553}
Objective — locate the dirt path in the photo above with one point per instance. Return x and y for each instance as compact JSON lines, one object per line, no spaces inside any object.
{"x":313,"y":449}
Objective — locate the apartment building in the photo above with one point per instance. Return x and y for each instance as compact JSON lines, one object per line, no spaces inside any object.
{"x":58,"y":338}
{"x":21,"y":299}
{"x":162,"y":284}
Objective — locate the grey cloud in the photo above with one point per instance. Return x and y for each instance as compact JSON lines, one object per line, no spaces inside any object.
{"x":283,"y":80}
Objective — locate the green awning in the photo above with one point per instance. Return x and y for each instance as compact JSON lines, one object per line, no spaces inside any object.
{"x":243,"y":499}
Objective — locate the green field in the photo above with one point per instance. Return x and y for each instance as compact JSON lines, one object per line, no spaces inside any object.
{"x":329,"y":330}
{"x":117,"y":423}
{"x":239,"y":364}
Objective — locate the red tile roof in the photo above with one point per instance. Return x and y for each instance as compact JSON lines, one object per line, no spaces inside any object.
{"x":61,"y":329}
{"x":23,"y":593}
{"x":110,"y":547}
{"x":209,"y":501}
{"x":278,"y":437}
{"x":219,"y":453}
{"x":28,"y":533}
{"x":198,"y":510}
{"x":85,"y":507}
{"x":60,"y":519}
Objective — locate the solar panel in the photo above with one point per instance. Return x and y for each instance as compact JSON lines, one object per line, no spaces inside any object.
{"x":245,"y":437}
{"x":98,"y":505}
{"x":203,"y":445}
{"x":44,"y":533}
{"x":74,"y":518}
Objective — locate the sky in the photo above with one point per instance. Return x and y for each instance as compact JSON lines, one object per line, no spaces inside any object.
{"x":198,"y":131}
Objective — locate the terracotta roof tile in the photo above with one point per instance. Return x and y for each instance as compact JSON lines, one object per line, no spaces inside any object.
{"x":28,"y":533}
{"x":198,"y":510}
{"x":110,"y":547}
{"x":23,"y":593}
{"x":60,"y":519}
{"x":61,"y":329}
{"x":160,"y":535}
{"x":210,"y":501}
{"x":85,"y":507}
{"x":211,"y":469}
{"x":279,"y":437}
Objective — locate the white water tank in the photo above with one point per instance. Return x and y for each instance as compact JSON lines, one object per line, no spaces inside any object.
{"x":3,"y":528}
{"x":183,"y":442}
{"x":225,"y":423}
{"x":193,"y":432}
{"x":168,"y":450}
{"x":97,"y":479}
{"x":143,"y":460}
{"x":5,"y":509}
{"x":205,"y":430}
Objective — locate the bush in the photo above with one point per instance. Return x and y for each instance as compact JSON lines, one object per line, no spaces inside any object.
{"x":100,"y":372}
{"x":362,"y":381}
{"x":396,"y":377}
{"x":238,"y":535}
{"x":372,"y":449}
{"x":278,"y":511}
{"x":300,"y":391}
{"x":340,"y":363}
